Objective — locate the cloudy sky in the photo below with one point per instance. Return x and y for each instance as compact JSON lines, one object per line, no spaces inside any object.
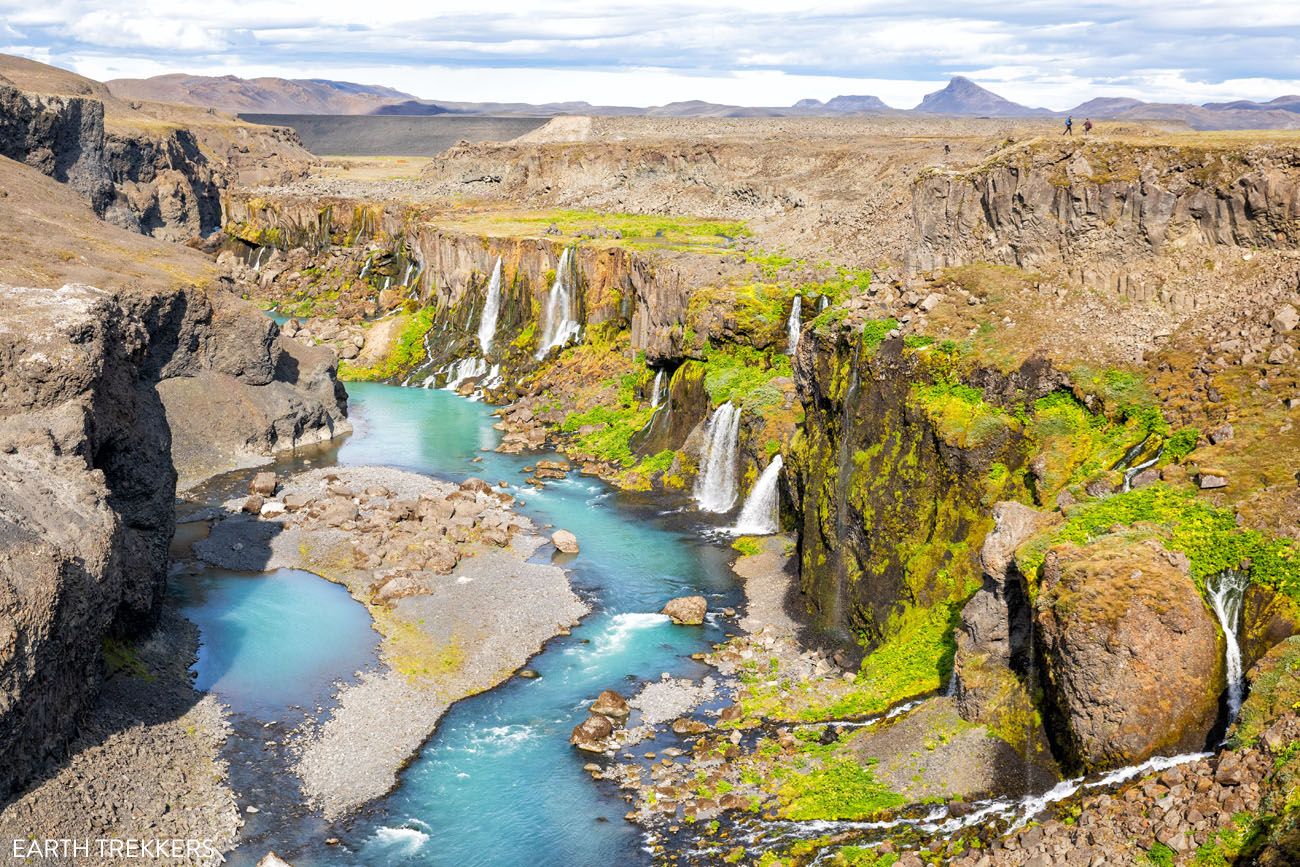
{"x":1053,"y":53}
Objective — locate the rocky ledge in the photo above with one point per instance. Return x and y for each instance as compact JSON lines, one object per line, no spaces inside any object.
{"x":446,"y":573}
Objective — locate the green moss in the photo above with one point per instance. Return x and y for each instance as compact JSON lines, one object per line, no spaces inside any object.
{"x":841,"y":789}
{"x":861,"y":856}
{"x":743,"y":375}
{"x":1208,"y":535}
{"x":406,"y":353}
{"x":915,"y":659}
{"x":121,"y":657}
{"x":611,"y":441}
{"x":874,"y":332}
{"x":1159,"y":855}
{"x":1181,"y":444}
{"x":1274,"y":690}
{"x":960,"y":414}
{"x":748,"y":546}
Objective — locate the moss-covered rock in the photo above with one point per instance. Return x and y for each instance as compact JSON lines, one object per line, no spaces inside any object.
{"x":1132,"y":658}
{"x":1274,"y":690}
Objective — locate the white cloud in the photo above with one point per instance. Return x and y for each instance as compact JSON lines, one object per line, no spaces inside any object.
{"x":1049,"y":52}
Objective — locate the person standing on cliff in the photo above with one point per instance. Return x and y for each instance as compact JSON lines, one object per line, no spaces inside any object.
{"x":1069,"y":126}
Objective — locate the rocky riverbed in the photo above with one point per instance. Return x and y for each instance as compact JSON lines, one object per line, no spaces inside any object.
{"x":447,"y":574}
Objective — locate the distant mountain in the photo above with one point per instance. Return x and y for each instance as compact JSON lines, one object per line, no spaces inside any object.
{"x":1242,"y":114}
{"x":961,"y":96}
{"x":269,"y":95}
{"x":1290,"y":102}
{"x":1106,"y":106}
{"x":966,"y":98}
{"x":845,"y":104}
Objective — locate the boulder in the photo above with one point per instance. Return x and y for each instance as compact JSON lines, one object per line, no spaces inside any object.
{"x":253,"y":505}
{"x":476,"y":485}
{"x":271,"y":508}
{"x":687,"y":610}
{"x":263,"y":483}
{"x":565,"y":542}
{"x":610,"y":704}
{"x":590,"y":735}
{"x":273,"y":860}
{"x":1210,"y":481}
{"x":1132,"y":657}
{"x":1285,"y":319}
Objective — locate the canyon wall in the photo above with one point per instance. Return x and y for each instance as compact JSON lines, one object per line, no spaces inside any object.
{"x":88,"y":381}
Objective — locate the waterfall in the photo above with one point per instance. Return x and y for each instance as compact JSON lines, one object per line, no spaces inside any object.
{"x":715,"y":486}
{"x":1131,"y":472}
{"x":466,"y":368}
{"x":657,"y":392}
{"x":365,"y":269}
{"x":824,"y":302}
{"x":257,"y":260}
{"x":406,"y":278}
{"x":795,"y":322}
{"x":559,"y":324}
{"x":761,"y":515}
{"x":387,"y":282}
{"x":1227,"y":591}
{"x":487,"y":324}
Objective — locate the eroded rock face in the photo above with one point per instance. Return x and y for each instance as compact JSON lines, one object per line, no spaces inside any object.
{"x":1035,"y":208}
{"x":1131,"y":656}
{"x":160,"y":186}
{"x":87,"y":483}
{"x":86,"y":491}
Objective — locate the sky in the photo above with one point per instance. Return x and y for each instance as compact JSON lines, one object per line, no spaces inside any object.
{"x":1051,"y":53}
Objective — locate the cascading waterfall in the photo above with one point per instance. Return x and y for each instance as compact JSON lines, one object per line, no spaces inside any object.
{"x":1131,"y":473}
{"x":1227,"y":592}
{"x":715,"y":487}
{"x":824,"y":302}
{"x":487,"y":324}
{"x":795,"y":323}
{"x":761,"y":514}
{"x":257,"y":260}
{"x":365,"y":269}
{"x":559,"y":322}
{"x":466,"y":368}
{"x":657,"y":392}
{"x":388,"y":281}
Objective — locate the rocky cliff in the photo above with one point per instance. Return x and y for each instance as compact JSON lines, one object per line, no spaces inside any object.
{"x":159,"y":185}
{"x":98,"y":389}
{"x":1105,"y":212}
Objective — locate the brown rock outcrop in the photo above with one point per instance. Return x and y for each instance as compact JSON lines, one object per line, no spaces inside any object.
{"x":1132,"y":658}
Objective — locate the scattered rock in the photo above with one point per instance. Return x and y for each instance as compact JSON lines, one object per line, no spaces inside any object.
{"x":565,"y":542}
{"x":592,"y":733}
{"x":687,"y":610}
{"x":1208,"y":481}
{"x":610,"y":704}
{"x":263,"y":483}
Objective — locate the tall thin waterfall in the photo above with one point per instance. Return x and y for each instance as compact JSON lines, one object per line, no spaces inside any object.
{"x":795,"y":323}
{"x":487,"y":324}
{"x":657,"y":392}
{"x":559,"y":318}
{"x":761,"y":514}
{"x":1227,"y":591}
{"x":365,"y":269}
{"x":715,"y":486}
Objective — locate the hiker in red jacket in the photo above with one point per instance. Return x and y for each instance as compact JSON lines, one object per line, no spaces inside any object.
{"x":1087,"y":125}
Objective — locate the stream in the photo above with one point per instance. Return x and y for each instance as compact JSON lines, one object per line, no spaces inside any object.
{"x":498,"y":783}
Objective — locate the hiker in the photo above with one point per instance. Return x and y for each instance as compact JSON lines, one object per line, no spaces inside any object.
{"x":1069,"y":126}
{"x":1087,"y":125}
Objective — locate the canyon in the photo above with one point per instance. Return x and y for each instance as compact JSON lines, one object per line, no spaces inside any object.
{"x":997,"y":431}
